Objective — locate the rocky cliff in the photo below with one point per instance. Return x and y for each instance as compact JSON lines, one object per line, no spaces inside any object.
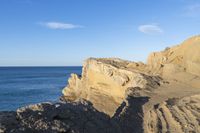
{"x":118,"y":96}
{"x":105,"y":81}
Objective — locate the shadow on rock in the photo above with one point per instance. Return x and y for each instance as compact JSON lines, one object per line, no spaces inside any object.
{"x":129,"y":115}
{"x":79,"y":117}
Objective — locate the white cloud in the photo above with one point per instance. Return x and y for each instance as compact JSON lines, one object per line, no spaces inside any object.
{"x":192,"y":10}
{"x":59,"y":25}
{"x":150,"y":29}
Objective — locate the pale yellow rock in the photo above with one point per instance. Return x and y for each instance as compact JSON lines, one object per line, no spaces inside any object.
{"x":185,"y":55}
{"x":104,"y":82}
{"x":170,"y":80}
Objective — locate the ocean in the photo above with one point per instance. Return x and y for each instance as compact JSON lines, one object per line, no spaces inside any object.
{"x":21,"y":86}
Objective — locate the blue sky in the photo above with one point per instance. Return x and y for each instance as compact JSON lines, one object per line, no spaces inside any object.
{"x":66,"y":32}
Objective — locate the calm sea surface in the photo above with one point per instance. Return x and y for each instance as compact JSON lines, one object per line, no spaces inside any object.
{"x":20,"y":86}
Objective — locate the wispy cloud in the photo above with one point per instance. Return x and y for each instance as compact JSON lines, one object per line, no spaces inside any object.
{"x":151,"y":29}
{"x":192,"y":10}
{"x":60,"y":25}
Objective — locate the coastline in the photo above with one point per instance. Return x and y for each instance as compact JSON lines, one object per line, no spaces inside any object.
{"x":116,"y":96}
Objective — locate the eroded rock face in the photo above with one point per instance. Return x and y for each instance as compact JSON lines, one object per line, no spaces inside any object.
{"x":184,"y":57}
{"x":176,"y":115}
{"x":117,"y":96}
{"x":172,"y":73}
{"x":104,"y":82}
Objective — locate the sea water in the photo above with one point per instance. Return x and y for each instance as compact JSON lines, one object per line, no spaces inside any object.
{"x":21,"y":86}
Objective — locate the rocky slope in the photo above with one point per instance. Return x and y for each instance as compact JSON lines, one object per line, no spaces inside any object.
{"x":118,"y":96}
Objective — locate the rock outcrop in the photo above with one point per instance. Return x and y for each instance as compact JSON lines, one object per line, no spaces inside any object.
{"x":176,"y":115}
{"x":118,"y":96}
{"x":78,"y":117}
{"x":184,"y":57}
{"x":105,"y":81}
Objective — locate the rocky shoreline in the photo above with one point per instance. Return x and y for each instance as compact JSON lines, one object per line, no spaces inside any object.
{"x":118,"y":96}
{"x":78,"y":117}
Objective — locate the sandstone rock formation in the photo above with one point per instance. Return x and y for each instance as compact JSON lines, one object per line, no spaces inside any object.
{"x":184,"y":57}
{"x":104,"y":82}
{"x":118,"y":96}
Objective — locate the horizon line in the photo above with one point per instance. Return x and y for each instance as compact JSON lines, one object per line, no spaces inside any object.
{"x":44,"y":66}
